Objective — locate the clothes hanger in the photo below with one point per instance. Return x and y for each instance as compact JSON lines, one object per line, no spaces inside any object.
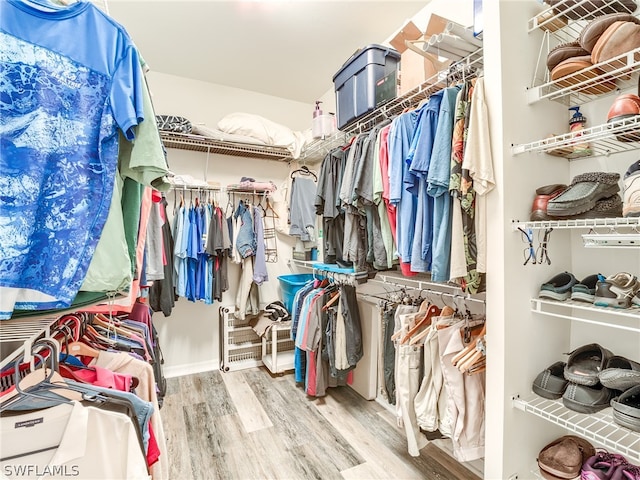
{"x":304,"y":170}
{"x":332,"y":301}
{"x":270,"y":209}
{"x":432,"y":311}
{"x":47,"y":5}
{"x":82,"y":349}
{"x":26,"y":389}
{"x":349,"y":143}
{"x":477,"y":356}
{"x":421,"y":335}
{"x":467,"y":351}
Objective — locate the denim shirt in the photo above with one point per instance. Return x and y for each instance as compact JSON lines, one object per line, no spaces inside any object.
{"x":246,"y":241}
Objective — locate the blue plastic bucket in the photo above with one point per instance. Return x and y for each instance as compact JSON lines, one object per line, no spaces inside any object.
{"x":290,"y":284}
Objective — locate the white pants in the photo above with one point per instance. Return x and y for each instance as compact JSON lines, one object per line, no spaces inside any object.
{"x":247,"y":297}
{"x":407,"y":384}
{"x":466,"y":398}
{"x":400,"y":325}
{"x":431,"y":401}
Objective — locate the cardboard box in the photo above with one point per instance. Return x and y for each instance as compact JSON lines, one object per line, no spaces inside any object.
{"x":416,"y":68}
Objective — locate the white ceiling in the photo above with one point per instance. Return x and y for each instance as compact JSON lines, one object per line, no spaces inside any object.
{"x":289,"y":49}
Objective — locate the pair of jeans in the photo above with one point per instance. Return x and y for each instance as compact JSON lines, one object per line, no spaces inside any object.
{"x":246,"y":237}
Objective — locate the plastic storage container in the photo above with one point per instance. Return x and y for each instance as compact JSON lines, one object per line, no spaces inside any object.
{"x":290,"y":284}
{"x":355,"y":83}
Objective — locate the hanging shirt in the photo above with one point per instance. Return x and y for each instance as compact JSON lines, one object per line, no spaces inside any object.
{"x":63,"y":102}
{"x":301,"y":211}
{"x":479,"y":162}
{"x":420,"y":158}
{"x":85,"y":438}
{"x":438,"y":187}
{"x":378,"y":190}
{"x":201,"y":268}
{"x":463,"y":189}
{"x":192,"y":253}
{"x":208,"y":279}
{"x":386,"y":189}
{"x":260,"y":274}
{"x":180,"y":252}
{"x":400,"y":136}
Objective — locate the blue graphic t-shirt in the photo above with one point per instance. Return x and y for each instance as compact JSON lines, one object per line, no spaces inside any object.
{"x":68,"y":79}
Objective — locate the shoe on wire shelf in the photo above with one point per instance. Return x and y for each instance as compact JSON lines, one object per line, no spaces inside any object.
{"x":616,"y":290}
{"x":631,"y":191}
{"x":602,"y":466}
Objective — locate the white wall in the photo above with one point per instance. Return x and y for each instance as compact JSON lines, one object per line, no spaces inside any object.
{"x":522,"y":344}
{"x":190,"y":336}
{"x":460,"y":11}
{"x":207,"y":103}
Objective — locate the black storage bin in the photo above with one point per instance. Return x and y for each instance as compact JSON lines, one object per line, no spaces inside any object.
{"x":355,"y":82}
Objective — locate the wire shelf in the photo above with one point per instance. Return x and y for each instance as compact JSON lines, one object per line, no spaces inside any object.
{"x":567,"y":18}
{"x":242,"y":336}
{"x":318,"y":149}
{"x":612,"y":223}
{"x":598,"y":427}
{"x":606,"y":139}
{"x":580,"y":87}
{"x":622,"y":319}
{"x":198,"y":143}
{"x":468,"y":66}
{"x":21,"y":329}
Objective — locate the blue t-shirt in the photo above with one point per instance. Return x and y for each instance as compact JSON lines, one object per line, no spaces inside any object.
{"x":68,"y":79}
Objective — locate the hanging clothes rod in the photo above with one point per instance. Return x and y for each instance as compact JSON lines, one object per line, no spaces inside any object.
{"x":421,"y":288}
{"x":183,"y":188}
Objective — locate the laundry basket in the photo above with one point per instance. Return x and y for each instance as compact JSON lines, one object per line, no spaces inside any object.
{"x":290,"y":284}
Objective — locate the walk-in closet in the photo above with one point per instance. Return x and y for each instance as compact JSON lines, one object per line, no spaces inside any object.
{"x":254,"y":240}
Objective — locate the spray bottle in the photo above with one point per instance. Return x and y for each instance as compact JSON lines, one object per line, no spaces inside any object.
{"x":577,"y":123}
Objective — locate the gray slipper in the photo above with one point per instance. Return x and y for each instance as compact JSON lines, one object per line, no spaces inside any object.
{"x":626,"y":409}
{"x":551,"y":383}
{"x":585,"y":364}
{"x":620,"y":374}
{"x":583,"y":399}
{"x":604,"y":208}
{"x":585,"y":291}
{"x":583,"y":193}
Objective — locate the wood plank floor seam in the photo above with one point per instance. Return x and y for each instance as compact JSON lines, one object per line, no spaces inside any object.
{"x":247,"y":425}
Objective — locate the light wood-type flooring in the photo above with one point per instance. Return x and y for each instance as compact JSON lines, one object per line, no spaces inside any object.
{"x":247,"y":425}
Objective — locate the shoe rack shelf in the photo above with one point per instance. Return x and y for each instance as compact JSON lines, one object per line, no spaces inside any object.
{"x":580,"y":223}
{"x":554,"y":19}
{"x":597,"y":427}
{"x":590,"y":83}
{"x":623,"y":319}
{"x":602,"y":139}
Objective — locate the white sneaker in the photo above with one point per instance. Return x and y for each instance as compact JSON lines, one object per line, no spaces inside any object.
{"x":631,"y":196}
{"x":616,"y":290}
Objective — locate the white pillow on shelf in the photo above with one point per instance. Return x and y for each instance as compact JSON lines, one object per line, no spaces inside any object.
{"x":269,"y":132}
